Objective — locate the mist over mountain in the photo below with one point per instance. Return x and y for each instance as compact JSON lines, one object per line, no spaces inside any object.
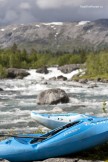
{"x":57,"y":35}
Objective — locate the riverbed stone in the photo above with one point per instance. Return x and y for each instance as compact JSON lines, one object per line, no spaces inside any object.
{"x":53,"y":78}
{"x":52,"y":96}
{"x":62,"y":78}
{"x":1,"y":89}
{"x":83,"y":81}
{"x":16,"y":73}
{"x":93,"y":85}
{"x":69,"y":68}
{"x":42,"y":70}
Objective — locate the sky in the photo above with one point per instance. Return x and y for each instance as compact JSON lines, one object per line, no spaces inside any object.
{"x":28,"y":11}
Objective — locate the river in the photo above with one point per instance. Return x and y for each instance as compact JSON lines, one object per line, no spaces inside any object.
{"x":19,"y":98}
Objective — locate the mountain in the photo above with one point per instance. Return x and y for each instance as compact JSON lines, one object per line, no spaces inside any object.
{"x":57,"y":36}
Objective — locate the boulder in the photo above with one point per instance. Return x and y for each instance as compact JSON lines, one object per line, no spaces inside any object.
{"x":42,"y":70}
{"x":84,"y":81}
{"x":69,"y":68}
{"x":57,"y":109}
{"x":93,"y":85}
{"x":16,"y":73}
{"x":102,"y":80}
{"x":52,"y":96}
{"x":62,"y":78}
{"x":53,"y":78}
{"x":99,"y":79}
{"x":44,"y":82}
{"x":105,"y":81}
{"x":1,"y":89}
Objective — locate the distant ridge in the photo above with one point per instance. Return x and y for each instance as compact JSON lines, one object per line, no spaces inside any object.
{"x":56,"y":36}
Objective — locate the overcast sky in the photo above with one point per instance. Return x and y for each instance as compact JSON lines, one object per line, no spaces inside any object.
{"x":27,"y":11}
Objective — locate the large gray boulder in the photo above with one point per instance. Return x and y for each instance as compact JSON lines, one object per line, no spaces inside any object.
{"x":16,"y":73}
{"x":69,"y":68}
{"x":52,"y":96}
{"x":42,"y":70}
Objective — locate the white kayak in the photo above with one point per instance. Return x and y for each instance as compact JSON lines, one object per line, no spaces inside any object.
{"x":53,"y":121}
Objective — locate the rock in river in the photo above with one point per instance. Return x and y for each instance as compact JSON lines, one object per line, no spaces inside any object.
{"x":1,"y":89}
{"x":62,"y":78}
{"x":69,"y":68}
{"x":16,"y":73}
{"x":52,"y":96}
{"x":42,"y":70}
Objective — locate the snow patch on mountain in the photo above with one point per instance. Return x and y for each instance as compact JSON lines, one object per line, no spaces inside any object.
{"x":82,"y":23}
{"x":2,"y":30}
{"x":53,"y":23}
{"x":37,"y":26}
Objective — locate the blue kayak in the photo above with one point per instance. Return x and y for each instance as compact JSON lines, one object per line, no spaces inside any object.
{"x":70,"y":138}
{"x":53,"y":121}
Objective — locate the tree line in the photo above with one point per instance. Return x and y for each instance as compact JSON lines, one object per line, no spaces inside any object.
{"x":96,"y":62}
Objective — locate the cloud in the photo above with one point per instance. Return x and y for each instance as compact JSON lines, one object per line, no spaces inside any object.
{"x":25,"y":5}
{"x":59,"y":4}
{"x":2,"y":3}
{"x":28,"y":11}
{"x":46,"y":4}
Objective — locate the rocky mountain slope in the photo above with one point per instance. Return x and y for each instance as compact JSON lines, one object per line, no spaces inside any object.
{"x":56,"y":36}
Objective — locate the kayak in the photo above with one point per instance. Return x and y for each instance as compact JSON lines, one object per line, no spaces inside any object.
{"x":67,"y":139}
{"x":53,"y":121}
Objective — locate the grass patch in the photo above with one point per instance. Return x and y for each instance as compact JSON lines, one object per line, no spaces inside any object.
{"x":91,"y":77}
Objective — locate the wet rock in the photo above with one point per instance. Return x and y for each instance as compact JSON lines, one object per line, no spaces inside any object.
{"x":98,"y":79}
{"x":1,"y":89}
{"x":57,"y":109}
{"x":84,"y":81}
{"x":42,"y":70}
{"x":69,"y":68}
{"x":44,"y":82}
{"x":101,"y":80}
{"x":62,"y":78}
{"x":104,"y":81}
{"x":16,"y":73}
{"x":53,"y":78}
{"x":52,"y":96}
{"x":94,"y":85}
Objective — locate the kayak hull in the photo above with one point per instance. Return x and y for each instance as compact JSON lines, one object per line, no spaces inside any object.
{"x":53,"y":121}
{"x":71,"y":138}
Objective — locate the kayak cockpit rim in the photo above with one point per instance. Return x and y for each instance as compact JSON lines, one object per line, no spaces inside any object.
{"x":53,"y":132}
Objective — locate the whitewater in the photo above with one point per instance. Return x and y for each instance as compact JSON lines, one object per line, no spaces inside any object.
{"x":19,"y":98}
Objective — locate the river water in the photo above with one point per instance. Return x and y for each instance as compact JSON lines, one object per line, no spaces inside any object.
{"x":19,"y":98}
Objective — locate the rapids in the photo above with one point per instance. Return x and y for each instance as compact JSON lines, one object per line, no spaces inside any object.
{"x":19,"y":98}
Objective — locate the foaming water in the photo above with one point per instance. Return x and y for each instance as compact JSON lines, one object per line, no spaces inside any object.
{"x":53,"y":72}
{"x":19,"y":98}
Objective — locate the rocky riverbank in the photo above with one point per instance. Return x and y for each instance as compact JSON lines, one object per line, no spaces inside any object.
{"x":65,"y":74}
{"x":64,"y":160}
{"x":79,"y":77}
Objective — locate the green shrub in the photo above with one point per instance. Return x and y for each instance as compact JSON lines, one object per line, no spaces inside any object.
{"x":3,"y":73}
